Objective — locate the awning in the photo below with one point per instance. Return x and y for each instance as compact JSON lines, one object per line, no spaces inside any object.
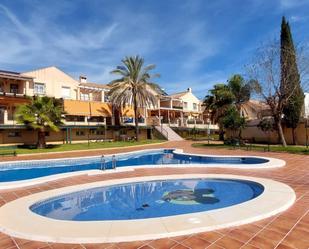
{"x":76,"y":107}
{"x":100,"y":109}
{"x":87,"y":108}
{"x":129,"y":111}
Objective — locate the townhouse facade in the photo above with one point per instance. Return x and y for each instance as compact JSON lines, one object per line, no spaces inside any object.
{"x":254,"y":111}
{"x":88,"y":113}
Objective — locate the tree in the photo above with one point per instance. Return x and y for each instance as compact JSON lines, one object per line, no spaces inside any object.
{"x":267,"y":126}
{"x":271,"y":79}
{"x":290,"y":76}
{"x":134,"y":87}
{"x":233,"y":121}
{"x":42,"y":114}
{"x":235,"y":93}
{"x":240,"y":89}
{"x":217,"y":102}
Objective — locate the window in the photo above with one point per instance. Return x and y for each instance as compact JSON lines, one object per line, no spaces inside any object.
{"x":106,"y":98}
{"x":39,"y":88}
{"x":194,"y":106}
{"x":96,"y":132}
{"x":74,"y":118}
{"x":14,"y":134}
{"x":185,"y":105}
{"x":14,"y":88}
{"x":47,"y":133}
{"x":80,"y":133}
{"x":66,"y":92}
{"x":1,"y":87}
{"x":84,"y":96}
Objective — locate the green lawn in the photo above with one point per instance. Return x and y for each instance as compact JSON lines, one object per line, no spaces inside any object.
{"x":77,"y":146}
{"x":258,"y":147}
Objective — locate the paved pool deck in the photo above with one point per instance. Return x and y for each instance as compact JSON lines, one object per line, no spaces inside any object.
{"x":289,"y":229}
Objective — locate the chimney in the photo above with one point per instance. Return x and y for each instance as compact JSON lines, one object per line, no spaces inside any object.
{"x":189,"y":90}
{"x":83,"y":79}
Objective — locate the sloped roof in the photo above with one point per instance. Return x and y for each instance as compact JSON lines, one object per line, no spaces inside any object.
{"x":178,"y":95}
{"x":50,"y":70}
{"x":255,"y":109}
{"x":256,"y":104}
{"x":94,"y":85}
{"x":13,"y":75}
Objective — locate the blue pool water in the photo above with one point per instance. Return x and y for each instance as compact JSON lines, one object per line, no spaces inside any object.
{"x":28,"y":170}
{"x":148,"y":199}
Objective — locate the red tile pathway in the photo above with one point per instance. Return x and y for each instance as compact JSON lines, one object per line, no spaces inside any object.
{"x":286,"y":230}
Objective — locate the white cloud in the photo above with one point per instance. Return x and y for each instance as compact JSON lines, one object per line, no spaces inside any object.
{"x":292,"y":3}
{"x":94,"y":50}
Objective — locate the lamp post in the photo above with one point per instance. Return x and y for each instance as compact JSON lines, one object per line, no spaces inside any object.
{"x":306,"y":126}
{"x":208,"y":132}
{"x":88,"y":118}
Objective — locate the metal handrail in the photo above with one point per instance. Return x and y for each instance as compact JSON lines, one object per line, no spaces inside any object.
{"x":114,"y":164}
{"x":103,"y":163}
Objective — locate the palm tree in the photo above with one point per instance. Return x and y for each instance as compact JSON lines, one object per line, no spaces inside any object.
{"x":42,"y":114}
{"x":217,"y":103}
{"x":242,"y":93}
{"x":240,"y":89}
{"x":134,"y":87}
{"x":235,"y":93}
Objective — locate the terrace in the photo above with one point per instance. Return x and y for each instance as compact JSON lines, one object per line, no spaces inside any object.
{"x":14,"y":89}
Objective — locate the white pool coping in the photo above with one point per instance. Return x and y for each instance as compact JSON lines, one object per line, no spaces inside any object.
{"x":272,"y":163}
{"x":17,"y":220}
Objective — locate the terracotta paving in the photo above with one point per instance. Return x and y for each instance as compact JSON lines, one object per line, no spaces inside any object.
{"x":286,"y":230}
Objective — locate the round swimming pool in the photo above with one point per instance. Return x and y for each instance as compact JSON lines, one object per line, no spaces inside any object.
{"x":150,"y":199}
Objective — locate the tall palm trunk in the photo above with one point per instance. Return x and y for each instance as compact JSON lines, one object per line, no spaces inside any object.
{"x":41,"y":139}
{"x":221,"y":133}
{"x":136,"y":117}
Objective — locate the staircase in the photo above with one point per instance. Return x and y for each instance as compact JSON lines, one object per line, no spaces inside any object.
{"x":168,"y":133}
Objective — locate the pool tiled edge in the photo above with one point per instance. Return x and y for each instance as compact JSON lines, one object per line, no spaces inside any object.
{"x":276,"y":198}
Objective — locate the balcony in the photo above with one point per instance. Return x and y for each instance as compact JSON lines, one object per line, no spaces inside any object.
{"x":13,"y":98}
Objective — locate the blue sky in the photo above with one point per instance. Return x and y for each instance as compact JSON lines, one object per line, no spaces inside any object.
{"x":194,"y":43}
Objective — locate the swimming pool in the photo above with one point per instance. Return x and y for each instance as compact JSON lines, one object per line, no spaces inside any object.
{"x":26,"y":173}
{"x":73,"y":220}
{"x":150,"y":199}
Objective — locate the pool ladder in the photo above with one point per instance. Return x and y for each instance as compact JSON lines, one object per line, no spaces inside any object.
{"x":103,"y":162}
{"x":114,"y":164}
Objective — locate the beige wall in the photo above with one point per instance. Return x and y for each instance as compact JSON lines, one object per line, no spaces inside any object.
{"x":190,"y":98}
{"x":255,"y":133}
{"x":30,"y":136}
{"x":54,"y":79}
{"x":26,"y":136}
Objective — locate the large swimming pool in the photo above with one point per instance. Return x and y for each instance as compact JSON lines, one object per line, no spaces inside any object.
{"x":150,"y":199}
{"x":18,"y":171}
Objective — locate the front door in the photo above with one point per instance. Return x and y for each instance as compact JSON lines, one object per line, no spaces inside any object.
{"x":14,"y":88}
{"x":2,"y":110}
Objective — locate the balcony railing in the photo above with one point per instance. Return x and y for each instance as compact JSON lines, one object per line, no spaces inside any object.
{"x":178,"y":107}
{"x":15,"y":95}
